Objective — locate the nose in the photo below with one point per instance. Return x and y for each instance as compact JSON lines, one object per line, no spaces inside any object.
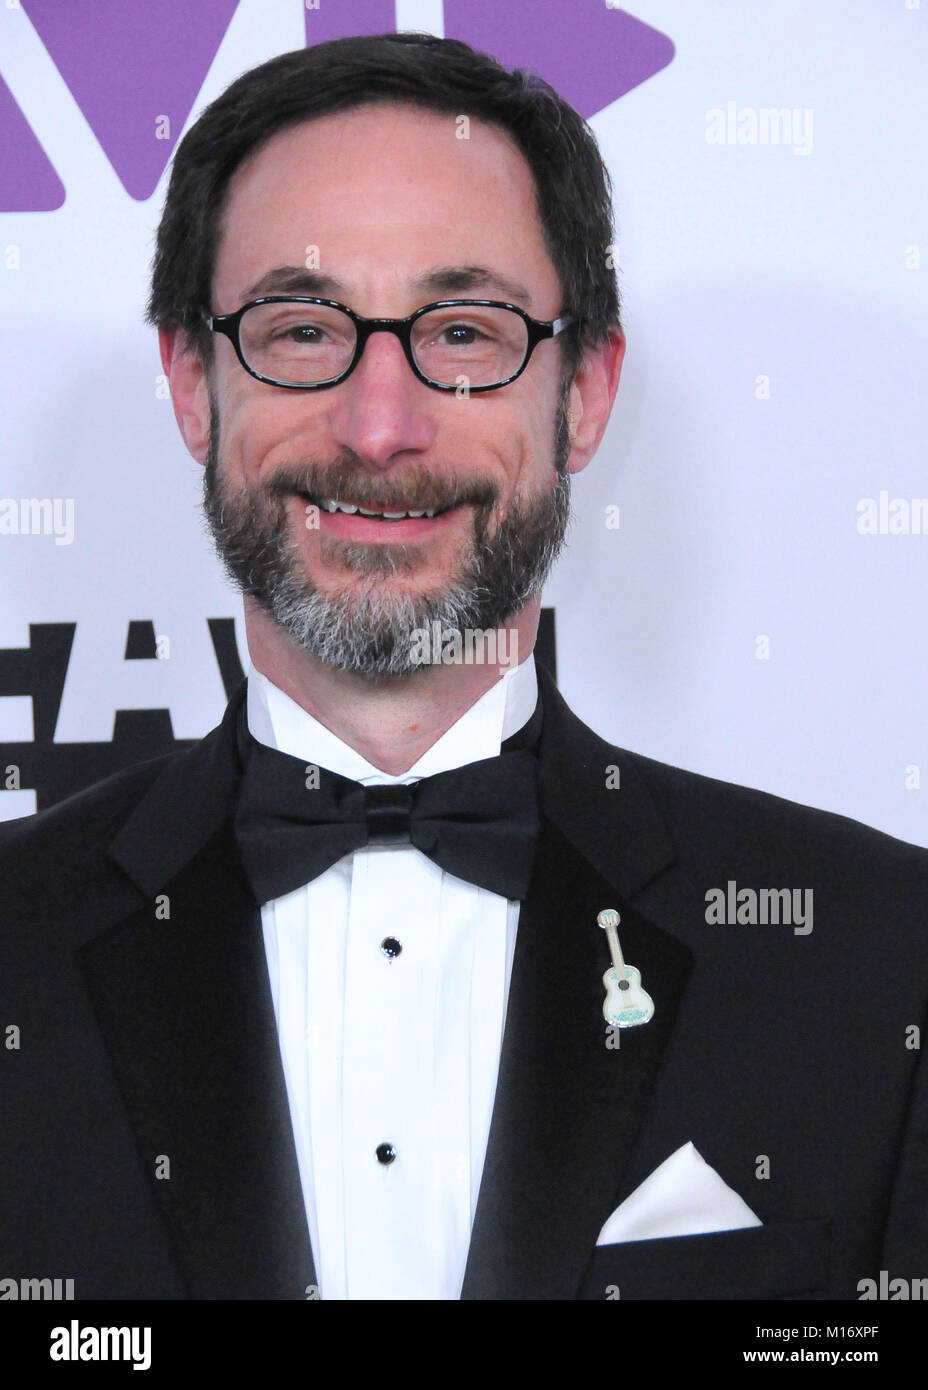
{"x":382,"y":411}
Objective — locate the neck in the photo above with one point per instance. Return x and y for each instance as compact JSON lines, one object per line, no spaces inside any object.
{"x":390,"y":721}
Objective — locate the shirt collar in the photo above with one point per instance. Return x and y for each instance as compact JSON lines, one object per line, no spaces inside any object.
{"x":277,"y":720}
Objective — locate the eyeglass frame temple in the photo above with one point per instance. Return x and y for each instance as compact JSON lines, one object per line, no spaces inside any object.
{"x":538,"y":331}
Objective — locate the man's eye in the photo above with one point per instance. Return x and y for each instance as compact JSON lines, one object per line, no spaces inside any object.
{"x":459,"y":332}
{"x":300,"y":333}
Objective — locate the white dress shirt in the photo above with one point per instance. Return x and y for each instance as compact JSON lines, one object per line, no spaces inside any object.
{"x":380,"y":1050}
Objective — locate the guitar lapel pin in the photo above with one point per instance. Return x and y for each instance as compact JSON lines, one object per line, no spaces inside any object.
{"x":627,"y":1005}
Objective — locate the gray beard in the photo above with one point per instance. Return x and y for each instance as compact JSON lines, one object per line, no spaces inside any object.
{"x":367,"y":629}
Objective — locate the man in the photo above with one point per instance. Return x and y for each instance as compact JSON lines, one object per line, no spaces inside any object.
{"x":317,"y":1007}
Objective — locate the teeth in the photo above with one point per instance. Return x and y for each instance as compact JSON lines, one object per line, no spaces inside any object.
{"x":330,"y":505}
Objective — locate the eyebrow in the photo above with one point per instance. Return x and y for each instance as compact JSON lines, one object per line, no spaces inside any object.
{"x":443,"y":281}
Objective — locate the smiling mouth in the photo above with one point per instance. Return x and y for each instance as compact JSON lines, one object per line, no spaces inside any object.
{"x":393,"y":513}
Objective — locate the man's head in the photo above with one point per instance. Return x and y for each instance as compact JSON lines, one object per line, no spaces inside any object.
{"x":383,"y":172}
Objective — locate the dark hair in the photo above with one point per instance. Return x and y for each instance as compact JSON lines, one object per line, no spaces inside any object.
{"x":573,"y":188}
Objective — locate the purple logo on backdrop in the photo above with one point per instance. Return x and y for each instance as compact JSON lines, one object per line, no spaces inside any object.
{"x":591,"y":53}
{"x":135,"y":69}
{"x":27,"y":179}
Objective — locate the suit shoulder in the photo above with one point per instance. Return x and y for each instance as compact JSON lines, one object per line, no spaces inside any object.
{"x":59,"y":880}
{"x":66,"y":867}
{"x":729,"y":812}
{"x":107,"y":800}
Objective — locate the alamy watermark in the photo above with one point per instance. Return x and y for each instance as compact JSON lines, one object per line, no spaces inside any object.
{"x":734,"y":906}
{"x":893,"y":1290}
{"x":38,"y":516}
{"x":36,"y":1290}
{"x":897,"y":516}
{"x":77,"y":1343}
{"x":435,"y":645}
{"x":765,"y":125}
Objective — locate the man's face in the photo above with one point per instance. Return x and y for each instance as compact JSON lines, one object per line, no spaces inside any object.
{"x":386,"y":201}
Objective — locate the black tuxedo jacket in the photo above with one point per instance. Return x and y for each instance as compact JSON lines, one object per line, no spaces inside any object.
{"x":147,"y":1149}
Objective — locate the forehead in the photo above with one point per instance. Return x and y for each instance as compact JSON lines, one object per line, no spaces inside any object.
{"x":376,"y":196}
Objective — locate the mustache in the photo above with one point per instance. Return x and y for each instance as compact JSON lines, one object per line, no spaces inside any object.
{"x":415,"y":490}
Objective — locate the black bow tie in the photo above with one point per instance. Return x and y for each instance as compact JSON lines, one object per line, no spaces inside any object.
{"x":478,"y":822}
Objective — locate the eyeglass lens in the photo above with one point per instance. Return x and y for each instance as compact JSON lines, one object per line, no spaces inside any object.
{"x":305,"y":344}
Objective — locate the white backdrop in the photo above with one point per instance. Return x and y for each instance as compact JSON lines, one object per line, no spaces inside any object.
{"x":737,"y":622}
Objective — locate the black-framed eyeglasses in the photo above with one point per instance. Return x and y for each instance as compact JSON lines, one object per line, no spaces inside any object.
{"x":306,"y":344}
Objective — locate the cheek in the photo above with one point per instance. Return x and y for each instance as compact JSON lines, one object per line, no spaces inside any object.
{"x":521,"y":437}
{"x":533,"y":447}
{"x":261,"y":434}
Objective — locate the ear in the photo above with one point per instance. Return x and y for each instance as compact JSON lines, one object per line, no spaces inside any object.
{"x":189,"y":389}
{"x":592,"y":393}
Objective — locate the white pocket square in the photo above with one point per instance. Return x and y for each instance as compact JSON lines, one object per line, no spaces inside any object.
{"x":683,"y":1197}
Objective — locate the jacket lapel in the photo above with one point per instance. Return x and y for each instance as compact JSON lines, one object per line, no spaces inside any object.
{"x":181,"y":993}
{"x":568,"y":1108}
